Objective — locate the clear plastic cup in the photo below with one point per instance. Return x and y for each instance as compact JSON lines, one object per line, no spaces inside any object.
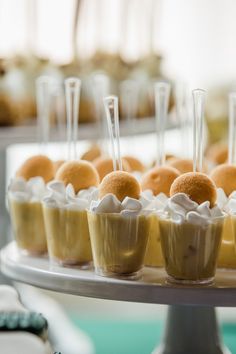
{"x":233,"y":226}
{"x":190,"y":251}
{"x":153,"y":256}
{"x":227,"y":255}
{"x":118,"y":244}
{"x":28,"y":226}
{"x":68,"y":236}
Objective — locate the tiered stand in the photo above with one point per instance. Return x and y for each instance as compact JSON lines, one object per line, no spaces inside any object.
{"x":191,"y":326}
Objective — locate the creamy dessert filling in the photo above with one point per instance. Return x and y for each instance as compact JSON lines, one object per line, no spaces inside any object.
{"x":24,"y":199}
{"x":190,"y":237}
{"x":119,"y":231}
{"x":153,"y":256}
{"x":66,"y":223}
{"x":227,"y":255}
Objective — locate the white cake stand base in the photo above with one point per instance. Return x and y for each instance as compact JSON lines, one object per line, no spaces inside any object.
{"x":191,"y":326}
{"x":191,"y":330}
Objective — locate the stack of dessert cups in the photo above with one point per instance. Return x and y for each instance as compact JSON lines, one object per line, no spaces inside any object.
{"x":191,"y":224}
{"x":27,"y":188}
{"x":118,"y":220}
{"x":69,"y":196}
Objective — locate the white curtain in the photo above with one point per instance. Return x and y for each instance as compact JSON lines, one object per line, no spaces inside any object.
{"x":196,"y":37}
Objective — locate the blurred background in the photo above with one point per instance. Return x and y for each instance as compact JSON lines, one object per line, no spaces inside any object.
{"x":188,"y":42}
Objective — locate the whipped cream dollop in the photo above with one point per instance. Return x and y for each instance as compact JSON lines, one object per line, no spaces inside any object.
{"x":156,"y":202}
{"x":60,"y":196}
{"x":227,"y":204}
{"x":180,"y":208}
{"x":129,"y":207}
{"x":32,"y":190}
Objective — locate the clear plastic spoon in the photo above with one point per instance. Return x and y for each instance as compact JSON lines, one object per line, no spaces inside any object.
{"x":162,"y":95}
{"x":112,"y":115}
{"x":232,"y":128}
{"x":129,"y":101}
{"x":43,"y":103}
{"x":129,"y":92}
{"x":198,"y":116}
{"x":72,"y":85}
{"x":181,"y":114}
{"x":59,"y":107}
{"x":100,"y":88}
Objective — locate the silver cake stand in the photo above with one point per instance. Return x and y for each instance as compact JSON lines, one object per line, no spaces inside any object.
{"x":191,"y":326}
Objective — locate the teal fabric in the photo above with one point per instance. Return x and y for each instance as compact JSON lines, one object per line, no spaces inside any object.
{"x":139,"y":337}
{"x":229,"y":336}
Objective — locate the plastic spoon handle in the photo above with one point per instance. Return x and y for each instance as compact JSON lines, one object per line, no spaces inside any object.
{"x":73,"y":86}
{"x":100,"y":88}
{"x":162,"y":95}
{"x":43,"y":102}
{"x":180,"y":98}
{"x":129,"y":102}
{"x":112,"y":115}
{"x":198,"y":115}
{"x":59,"y":106}
{"x":232,"y":127}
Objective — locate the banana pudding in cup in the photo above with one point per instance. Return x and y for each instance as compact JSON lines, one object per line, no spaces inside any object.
{"x":224,"y":177}
{"x":119,"y":227}
{"x":191,"y":230}
{"x":227,"y":255}
{"x":156,"y":185}
{"x":65,"y":213}
{"x":24,"y":196}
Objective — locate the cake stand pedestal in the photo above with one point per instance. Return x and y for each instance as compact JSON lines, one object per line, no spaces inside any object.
{"x":191,"y":329}
{"x":191,"y":326}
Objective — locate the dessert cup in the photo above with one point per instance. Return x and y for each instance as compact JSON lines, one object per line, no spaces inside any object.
{"x":66,"y":225}
{"x":67,"y":236}
{"x":153,"y":256}
{"x":118,"y":243}
{"x":227,"y":254}
{"x":233,"y":224}
{"x":28,"y":226}
{"x":24,"y":201}
{"x":191,"y":250}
